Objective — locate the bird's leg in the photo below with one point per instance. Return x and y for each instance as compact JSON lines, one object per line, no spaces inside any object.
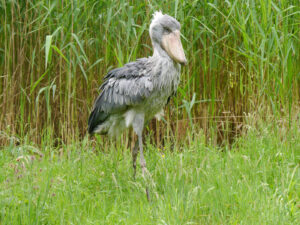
{"x":138,"y":126}
{"x":143,"y":162}
{"x":135,"y":151}
{"x":142,"y":159}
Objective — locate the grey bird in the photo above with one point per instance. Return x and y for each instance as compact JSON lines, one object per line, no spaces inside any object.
{"x":135,"y":93}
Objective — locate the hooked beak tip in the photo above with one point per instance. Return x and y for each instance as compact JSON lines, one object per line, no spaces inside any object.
{"x":184,"y":62}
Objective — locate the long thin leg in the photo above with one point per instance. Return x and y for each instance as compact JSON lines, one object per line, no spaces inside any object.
{"x":143,"y":163}
{"x":142,"y":159}
{"x":135,"y":151}
{"x":138,"y":126}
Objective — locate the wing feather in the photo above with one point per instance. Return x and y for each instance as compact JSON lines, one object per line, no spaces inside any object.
{"x":122,"y":88}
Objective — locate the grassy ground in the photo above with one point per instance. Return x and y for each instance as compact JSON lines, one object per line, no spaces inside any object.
{"x":243,"y":59}
{"x":254,"y":182}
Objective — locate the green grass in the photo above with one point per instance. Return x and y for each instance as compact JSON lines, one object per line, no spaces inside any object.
{"x":243,"y":64}
{"x":254,"y":182}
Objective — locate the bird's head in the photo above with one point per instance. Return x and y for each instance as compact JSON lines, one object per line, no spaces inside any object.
{"x":165,"y":34}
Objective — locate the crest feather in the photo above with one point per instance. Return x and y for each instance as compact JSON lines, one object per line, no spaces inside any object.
{"x":156,"y":17}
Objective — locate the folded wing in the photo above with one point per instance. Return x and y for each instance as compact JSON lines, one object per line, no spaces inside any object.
{"x":123,"y":88}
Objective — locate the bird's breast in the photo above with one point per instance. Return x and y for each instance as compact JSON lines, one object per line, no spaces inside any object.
{"x":164,"y":85}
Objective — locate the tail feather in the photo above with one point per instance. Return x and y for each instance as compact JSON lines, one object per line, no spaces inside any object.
{"x":96,"y":118}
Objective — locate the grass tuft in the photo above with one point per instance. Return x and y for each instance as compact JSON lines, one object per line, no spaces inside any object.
{"x":256,"y":182}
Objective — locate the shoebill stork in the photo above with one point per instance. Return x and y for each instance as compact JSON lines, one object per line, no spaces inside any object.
{"x":135,"y":93}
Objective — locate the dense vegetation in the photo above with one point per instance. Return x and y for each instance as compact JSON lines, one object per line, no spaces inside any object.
{"x":243,"y":58}
{"x":227,"y":151}
{"x":256,"y":182}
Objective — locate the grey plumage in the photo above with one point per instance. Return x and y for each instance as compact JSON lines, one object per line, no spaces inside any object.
{"x":135,"y":93}
{"x":135,"y":86}
{"x":122,"y":89}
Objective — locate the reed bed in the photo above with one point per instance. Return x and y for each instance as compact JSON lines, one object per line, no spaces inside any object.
{"x":243,"y":60}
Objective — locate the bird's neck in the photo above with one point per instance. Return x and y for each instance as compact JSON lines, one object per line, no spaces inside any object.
{"x":165,"y":71}
{"x":159,"y":53}
{"x":163,"y":63}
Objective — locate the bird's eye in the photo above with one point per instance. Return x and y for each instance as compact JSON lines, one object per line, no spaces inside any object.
{"x":168,"y":30}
